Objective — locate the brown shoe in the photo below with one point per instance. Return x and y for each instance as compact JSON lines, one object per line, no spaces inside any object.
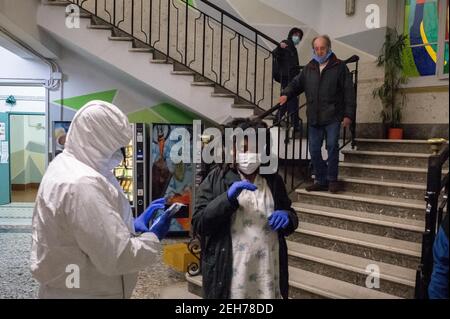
{"x":317,"y":188}
{"x":334,"y":187}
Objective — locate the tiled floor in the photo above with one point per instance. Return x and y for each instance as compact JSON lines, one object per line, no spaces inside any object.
{"x":156,"y":281}
{"x":16,"y":214}
{"x":15,"y":245}
{"x":28,"y":195}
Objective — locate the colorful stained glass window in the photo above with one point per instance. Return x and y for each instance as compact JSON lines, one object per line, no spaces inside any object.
{"x":422,"y":27}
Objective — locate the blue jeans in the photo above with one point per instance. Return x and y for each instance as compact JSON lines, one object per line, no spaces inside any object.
{"x":325,"y":171}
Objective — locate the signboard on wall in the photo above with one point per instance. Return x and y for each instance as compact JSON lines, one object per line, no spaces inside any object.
{"x":59,"y":133}
{"x":2,"y":131}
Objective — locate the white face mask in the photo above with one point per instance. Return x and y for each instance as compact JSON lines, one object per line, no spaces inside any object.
{"x":115,"y":159}
{"x":248,"y":163}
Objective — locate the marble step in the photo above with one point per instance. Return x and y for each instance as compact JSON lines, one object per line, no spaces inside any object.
{"x":230,"y":95}
{"x":369,"y":203}
{"x":384,"y":172}
{"x":405,"y":190}
{"x":377,"y":248}
{"x":304,"y":284}
{"x":120,"y":38}
{"x":183,"y":73}
{"x":141,"y":50}
{"x":368,"y":223}
{"x":419,"y":160}
{"x":56,"y":3}
{"x":243,"y":106}
{"x":307,"y":285}
{"x":100,"y":27}
{"x":385,"y":145}
{"x":394,"y":280}
{"x":203,"y":83}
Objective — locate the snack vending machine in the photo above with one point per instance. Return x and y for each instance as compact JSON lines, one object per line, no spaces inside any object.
{"x":132,"y":173}
{"x":169,"y":177}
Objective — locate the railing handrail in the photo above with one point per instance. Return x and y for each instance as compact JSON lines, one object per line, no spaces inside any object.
{"x":435,"y":185}
{"x":251,"y":97}
{"x":237,"y":20}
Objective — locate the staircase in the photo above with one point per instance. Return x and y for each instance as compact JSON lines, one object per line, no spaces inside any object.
{"x":378,"y":219}
{"x":172,"y":47}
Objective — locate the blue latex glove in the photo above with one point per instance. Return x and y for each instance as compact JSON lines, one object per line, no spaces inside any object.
{"x":161,"y":225}
{"x":279,"y":219}
{"x":141,"y":223}
{"x":237,"y":187}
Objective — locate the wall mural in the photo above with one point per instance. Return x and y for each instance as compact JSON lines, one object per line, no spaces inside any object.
{"x":422,"y":28}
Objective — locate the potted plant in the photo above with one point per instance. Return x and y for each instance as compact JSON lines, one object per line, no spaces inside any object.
{"x":392,"y":98}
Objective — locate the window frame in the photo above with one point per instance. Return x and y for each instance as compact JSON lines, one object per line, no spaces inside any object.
{"x":439,"y":79}
{"x":441,"y":39}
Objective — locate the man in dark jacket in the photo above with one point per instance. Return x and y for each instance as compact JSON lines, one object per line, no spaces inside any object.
{"x":213,"y":221}
{"x":438,"y":288}
{"x":331,"y":101}
{"x":287,"y":68}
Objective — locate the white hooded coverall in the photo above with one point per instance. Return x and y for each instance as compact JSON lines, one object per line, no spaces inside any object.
{"x":82,"y":218}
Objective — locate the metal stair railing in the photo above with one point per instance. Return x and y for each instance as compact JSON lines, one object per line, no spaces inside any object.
{"x":214,"y":44}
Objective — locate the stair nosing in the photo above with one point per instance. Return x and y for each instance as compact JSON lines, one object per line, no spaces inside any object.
{"x":337,"y":285}
{"x":143,"y":50}
{"x":162,"y":61}
{"x":360,"y":198}
{"x":99,"y":27}
{"x":387,"y":183}
{"x":383,"y":167}
{"x":321,"y":291}
{"x":390,"y":154}
{"x":242,"y":106}
{"x":293,"y":250}
{"x":340,"y":214}
{"x":223,"y":95}
{"x":346,"y":238}
{"x":120,"y":38}
{"x":388,"y":141}
{"x":182,"y":73}
{"x":199,"y":83}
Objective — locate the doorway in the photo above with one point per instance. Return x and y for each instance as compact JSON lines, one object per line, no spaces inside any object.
{"x":27,"y":155}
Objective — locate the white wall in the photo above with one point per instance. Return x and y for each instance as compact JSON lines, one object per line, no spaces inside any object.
{"x":23,"y":94}
{"x":329,"y":16}
{"x":83,"y":76}
{"x":19,"y":18}
{"x":13,"y":66}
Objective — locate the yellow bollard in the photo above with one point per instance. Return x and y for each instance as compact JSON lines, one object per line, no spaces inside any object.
{"x":178,"y":257}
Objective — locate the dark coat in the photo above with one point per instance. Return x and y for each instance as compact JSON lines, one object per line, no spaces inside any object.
{"x":287,"y":62}
{"x":330,"y":96}
{"x":212,"y":222}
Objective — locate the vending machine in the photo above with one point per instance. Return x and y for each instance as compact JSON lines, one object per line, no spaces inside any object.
{"x":173,"y":180}
{"x":132,"y":173}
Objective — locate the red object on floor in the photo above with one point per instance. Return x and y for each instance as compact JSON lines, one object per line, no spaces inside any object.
{"x":395,"y":134}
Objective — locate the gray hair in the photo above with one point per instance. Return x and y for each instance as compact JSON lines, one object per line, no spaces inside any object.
{"x":325,"y":37}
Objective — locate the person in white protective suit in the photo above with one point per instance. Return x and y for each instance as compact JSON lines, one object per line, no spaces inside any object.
{"x":86,"y":243}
